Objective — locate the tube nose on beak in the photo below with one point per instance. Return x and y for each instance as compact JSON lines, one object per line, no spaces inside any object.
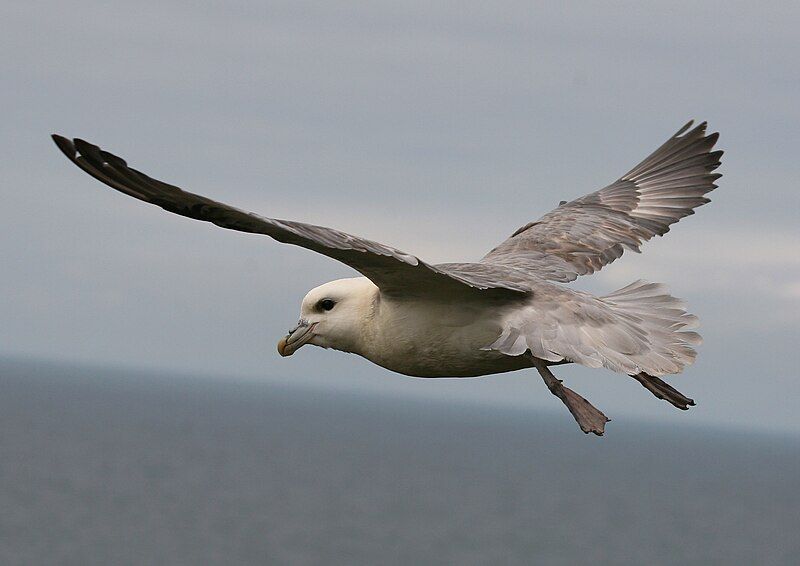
{"x":296,"y":337}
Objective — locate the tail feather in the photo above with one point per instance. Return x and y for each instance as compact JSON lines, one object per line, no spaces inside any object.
{"x":637,"y":329}
{"x":664,"y":321}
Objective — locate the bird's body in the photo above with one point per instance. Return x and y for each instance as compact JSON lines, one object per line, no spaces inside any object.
{"x":506,"y":312}
{"x":462,"y":336}
{"x":424,"y":338}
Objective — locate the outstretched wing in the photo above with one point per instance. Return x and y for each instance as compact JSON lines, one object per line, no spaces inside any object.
{"x":393,"y":271}
{"x":582,"y":236}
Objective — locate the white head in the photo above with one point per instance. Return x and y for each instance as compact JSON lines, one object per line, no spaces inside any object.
{"x":332,"y":316}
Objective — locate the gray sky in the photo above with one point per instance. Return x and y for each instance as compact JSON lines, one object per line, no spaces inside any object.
{"x":436,"y":129}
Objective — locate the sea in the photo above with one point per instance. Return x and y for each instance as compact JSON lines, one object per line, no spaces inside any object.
{"x":102,"y":466}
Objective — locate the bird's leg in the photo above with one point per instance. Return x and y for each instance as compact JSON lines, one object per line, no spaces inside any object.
{"x":588,"y":417}
{"x":664,"y":390}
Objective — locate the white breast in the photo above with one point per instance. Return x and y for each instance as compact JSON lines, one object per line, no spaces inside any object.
{"x":424,"y":338}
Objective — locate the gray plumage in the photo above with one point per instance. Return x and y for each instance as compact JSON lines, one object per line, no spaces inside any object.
{"x":639,"y":330}
{"x":582,"y":236}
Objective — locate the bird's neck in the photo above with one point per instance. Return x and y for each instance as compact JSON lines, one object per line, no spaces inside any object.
{"x":369,"y":325}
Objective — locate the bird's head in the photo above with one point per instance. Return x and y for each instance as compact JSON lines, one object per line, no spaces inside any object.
{"x":332,"y":315}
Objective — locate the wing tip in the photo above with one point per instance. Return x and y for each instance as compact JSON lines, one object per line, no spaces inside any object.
{"x":700,"y":131}
{"x":64,"y":144}
{"x":84,"y":147}
{"x":683,"y":129}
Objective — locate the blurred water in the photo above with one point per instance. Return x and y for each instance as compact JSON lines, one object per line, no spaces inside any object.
{"x":110,"y":467}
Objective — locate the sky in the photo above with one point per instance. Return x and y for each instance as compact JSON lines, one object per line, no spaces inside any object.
{"x":438,"y":129}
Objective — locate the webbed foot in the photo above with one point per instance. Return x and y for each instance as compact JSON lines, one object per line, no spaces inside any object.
{"x":588,"y":417}
{"x":664,"y":390}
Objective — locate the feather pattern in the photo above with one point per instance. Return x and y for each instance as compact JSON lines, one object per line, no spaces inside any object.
{"x":639,"y":328}
{"x":582,"y":236}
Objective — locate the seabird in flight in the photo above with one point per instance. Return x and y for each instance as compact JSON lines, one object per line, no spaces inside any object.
{"x":507,"y":311}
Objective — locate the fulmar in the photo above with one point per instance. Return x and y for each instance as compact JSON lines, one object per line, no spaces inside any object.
{"x":505,"y":312}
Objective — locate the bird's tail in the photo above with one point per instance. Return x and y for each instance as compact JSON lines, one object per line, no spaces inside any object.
{"x":662,"y":321}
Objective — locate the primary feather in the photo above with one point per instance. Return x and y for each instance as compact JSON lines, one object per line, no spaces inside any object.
{"x":582,"y":236}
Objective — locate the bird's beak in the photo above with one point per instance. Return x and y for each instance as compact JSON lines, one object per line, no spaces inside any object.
{"x":297,"y":336}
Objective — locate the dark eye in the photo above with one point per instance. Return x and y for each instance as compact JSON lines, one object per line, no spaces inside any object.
{"x":326,"y":304}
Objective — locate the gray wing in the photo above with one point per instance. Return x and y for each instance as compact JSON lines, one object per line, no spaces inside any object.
{"x":582,"y":236}
{"x":393,"y":271}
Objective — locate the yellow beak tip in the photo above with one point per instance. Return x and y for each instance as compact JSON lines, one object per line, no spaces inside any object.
{"x":282,"y":348}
